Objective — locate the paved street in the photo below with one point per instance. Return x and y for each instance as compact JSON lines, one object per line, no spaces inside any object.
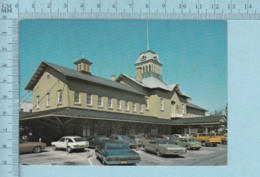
{"x":206,"y":156}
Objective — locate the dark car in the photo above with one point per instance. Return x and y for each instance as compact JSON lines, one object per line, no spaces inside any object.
{"x":124,"y":139}
{"x":139,"y":139}
{"x":115,"y":153}
{"x":96,"y":140}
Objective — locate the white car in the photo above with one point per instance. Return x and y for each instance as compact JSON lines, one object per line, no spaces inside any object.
{"x":71,"y":143}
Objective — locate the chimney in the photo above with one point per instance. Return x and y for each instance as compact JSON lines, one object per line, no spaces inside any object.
{"x":83,"y":65}
{"x":138,"y":74}
{"x":113,"y":77}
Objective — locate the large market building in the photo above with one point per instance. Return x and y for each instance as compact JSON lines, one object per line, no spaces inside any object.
{"x":75,"y":102}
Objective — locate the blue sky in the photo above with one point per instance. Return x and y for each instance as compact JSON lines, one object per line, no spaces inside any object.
{"x":193,"y":53}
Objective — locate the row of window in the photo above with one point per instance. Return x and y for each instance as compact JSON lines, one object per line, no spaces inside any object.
{"x":110,"y":103}
{"x":100,"y":102}
{"x":48,"y":99}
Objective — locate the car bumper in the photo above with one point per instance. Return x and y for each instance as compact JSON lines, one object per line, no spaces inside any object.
{"x":174,"y":153}
{"x":80,"y":147}
{"x":121,"y":162}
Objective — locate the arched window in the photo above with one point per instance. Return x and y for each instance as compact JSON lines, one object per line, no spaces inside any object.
{"x":149,"y":67}
{"x":146,"y":68}
{"x":143,"y":69}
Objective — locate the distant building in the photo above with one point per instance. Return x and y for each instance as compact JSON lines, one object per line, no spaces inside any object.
{"x":25,"y":106}
{"x":75,"y":102}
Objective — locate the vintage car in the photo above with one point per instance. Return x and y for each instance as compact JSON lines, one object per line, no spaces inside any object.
{"x":115,"y":153}
{"x":96,"y":140}
{"x":124,"y":139}
{"x":29,"y":147}
{"x":168,"y":137}
{"x":189,"y":143}
{"x":208,"y":139}
{"x":223,"y":137}
{"x":71,"y":143}
{"x":139,"y":139}
{"x":164,"y":147}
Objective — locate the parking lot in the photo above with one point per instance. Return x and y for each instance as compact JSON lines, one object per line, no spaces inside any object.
{"x":206,"y":156}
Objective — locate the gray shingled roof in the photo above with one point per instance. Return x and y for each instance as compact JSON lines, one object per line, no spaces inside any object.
{"x":103,"y":115}
{"x":195,"y":106}
{"x":76,"y":74}
{"x":152,"y":83}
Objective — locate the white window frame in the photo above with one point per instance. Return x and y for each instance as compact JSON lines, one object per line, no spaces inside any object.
{"x":89,"y":98}
{"x":75,"y":97}
{"x":100,"y":100}
{"x":118,"y":104}
{"x":110,"y":103}
{"x":38,"y":102}
{"x":147,"y":103}
{"x":134,"y":107}
{"x":48,"y":99}
{"x":59,"y":97}
{"x":127,"y":105}
{"x":161,"y":104}
{"x":141,"y":108}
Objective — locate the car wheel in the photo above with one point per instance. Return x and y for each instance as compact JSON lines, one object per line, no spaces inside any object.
{"x":37,"y":149}
{"x":214,"y":145}
{"x":55,"y":148}
{"x":158,"y":153}
{"x":188,"y":148}
{"x":103,"y":161}
{"x":203,"y":143}
{"x":69,"y":149}
{"x":97,"y":157}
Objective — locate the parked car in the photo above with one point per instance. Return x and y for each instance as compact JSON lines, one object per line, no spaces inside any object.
{"x":178,"y":135}
{"x":189,"y":143}
{"x":124,"y":139}
{"x":169,"y":137}
{"x":164,"y":147}
{"x":31,"y":147}
{"x":186,"y":135}
{"x":96,"y":140}
{"x":223,"y":137}
{"x":139,"y":139}
{"x":112,"y":152}
{"x":71,"y":143}
{"x":207,"y":139}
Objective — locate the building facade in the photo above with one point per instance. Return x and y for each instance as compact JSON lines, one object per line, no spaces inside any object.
{"x":75,"y":102}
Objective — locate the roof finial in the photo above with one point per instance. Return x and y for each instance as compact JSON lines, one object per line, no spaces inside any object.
{"x":83,"y":56}
{"x":147,"y":35}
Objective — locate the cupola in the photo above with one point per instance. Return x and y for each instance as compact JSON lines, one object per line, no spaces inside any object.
{"x":83,"y":66}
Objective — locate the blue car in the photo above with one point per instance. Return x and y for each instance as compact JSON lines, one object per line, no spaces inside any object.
{"x":124,"y":139}
{"x":116,"y":153}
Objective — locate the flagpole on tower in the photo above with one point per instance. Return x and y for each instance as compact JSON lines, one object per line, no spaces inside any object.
{"x":147,"y":35}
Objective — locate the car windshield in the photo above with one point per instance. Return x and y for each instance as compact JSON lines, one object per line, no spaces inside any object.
{"x":140,"y":137}
{"x":192,"y":140}
{"x":125,"y":137}
{"x":165,"y":142}
{"x":117,"y":147}
{"x":79,"y":139}
{"x":173,"y":137}
{"x":101,"y":138}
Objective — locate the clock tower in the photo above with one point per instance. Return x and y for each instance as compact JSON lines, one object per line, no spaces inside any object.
{"x":150,"y":65}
